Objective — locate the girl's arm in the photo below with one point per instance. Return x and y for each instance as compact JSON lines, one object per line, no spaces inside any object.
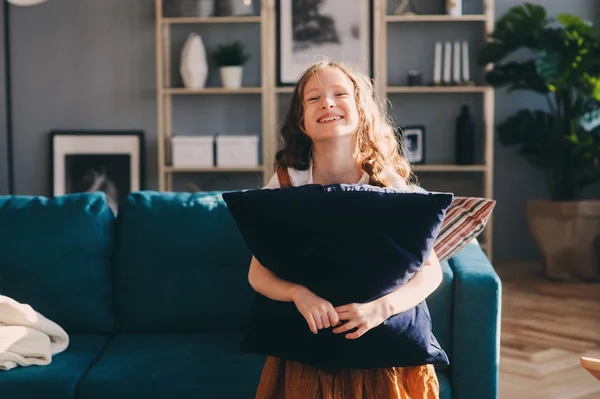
{"x":365,"y":316}
{"x":416,"y":290}
{"x":265,"y":282}
{"x":317,"y":312}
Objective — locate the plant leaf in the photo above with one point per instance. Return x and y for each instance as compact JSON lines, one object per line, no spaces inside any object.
{"x":576,"y":22}
{"x":517,"y":76}
{"x":520,"y":27}
{"x":525,"y":127}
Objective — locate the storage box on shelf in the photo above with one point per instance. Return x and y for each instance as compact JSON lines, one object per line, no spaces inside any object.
{"x":237,"y":151}
{"x":193,"y":151}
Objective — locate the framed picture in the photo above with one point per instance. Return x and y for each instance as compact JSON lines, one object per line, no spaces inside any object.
{"x":308,"y":30}
{"x":107,"y":161}
{"x":412,"y":140}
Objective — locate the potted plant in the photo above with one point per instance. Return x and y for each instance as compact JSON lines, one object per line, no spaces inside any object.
{"x":230,"y":58}
{"x":562,"y":140}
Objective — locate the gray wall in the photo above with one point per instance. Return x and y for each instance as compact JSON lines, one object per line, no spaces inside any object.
{"x":3,"y":144}
{"x":90,"y":64}
{"x":80,"y":64}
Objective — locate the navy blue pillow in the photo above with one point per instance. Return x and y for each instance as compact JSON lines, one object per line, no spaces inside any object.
{"x":348,"y":244}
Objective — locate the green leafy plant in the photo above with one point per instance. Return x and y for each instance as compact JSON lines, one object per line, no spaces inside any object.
{"x":564,"y":140}
{"x":230,"y":54}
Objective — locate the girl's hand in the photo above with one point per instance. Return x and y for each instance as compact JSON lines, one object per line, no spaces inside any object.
{"x":363,"y":316}
{"x":318,"y":312}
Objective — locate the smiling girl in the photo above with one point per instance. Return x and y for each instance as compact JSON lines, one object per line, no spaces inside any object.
{"x":335,"y":132}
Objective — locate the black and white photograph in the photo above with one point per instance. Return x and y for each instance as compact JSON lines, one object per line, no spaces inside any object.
{"x":110,"y":162}
{"x":412,"y":140}
{"x":310,"y":30}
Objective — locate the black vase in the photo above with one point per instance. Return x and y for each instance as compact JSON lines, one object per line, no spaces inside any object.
{"x":465,"y":137}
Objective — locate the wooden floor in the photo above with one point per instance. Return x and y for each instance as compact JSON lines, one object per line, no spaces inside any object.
{"x":546,"y":327}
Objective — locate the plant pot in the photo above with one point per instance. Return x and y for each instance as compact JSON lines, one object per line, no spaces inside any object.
{"x":567,"y":234}
{"x":231,"y":76}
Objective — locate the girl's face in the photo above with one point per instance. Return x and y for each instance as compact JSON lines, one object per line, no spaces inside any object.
{"x":329,"y":105}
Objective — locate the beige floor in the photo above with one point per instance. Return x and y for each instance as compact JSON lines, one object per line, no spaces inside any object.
{"x":546,"y":327}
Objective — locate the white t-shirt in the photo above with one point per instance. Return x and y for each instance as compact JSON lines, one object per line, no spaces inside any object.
{"x":302,"y":177}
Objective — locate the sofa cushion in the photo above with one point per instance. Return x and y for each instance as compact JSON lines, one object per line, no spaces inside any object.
{"x":173,"y":366}
{"x":445,"y":388}
{"x":59,"y":379}
{"x":347,"y":243}
{"x":180,"y":265}
{"x":55,"y":256}
{"x":440,"y":308}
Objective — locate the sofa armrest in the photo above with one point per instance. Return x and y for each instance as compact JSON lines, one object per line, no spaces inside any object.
{"x":476,"y":311}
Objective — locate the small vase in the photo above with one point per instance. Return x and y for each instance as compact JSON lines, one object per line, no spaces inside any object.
{"x":231,"y":76}
{"x":454,"y":7}
{"x":194,"y":66}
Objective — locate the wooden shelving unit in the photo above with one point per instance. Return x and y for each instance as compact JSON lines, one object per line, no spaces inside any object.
{"x":434,"y":18}
{"x":269,"y":94}
{"x":382,"y":22}
{"x":166,"y":92}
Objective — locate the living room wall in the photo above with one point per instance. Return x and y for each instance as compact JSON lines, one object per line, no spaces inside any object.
{"x":90,"y":64}
{"x":4,"y":188}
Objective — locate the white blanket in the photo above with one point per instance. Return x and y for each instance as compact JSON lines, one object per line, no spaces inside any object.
{"x":26,"y":337}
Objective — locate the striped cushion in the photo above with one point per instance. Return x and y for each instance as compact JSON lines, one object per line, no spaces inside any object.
{"x":465,"y":220}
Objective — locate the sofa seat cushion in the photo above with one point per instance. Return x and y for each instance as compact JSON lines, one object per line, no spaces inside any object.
{"x":173,"y":366}
{"x":440,"y":308}
{"x":59,"y":379}
{"x":445,"y":389}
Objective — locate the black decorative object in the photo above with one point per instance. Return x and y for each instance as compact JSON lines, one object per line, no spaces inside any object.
{"x":108,"y":161}
{"x":465,"y":137}
{"x":412,"y":141}
{"x":414,"y":78}
{"x":310,"y":30}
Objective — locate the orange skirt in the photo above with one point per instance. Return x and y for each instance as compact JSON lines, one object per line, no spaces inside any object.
{"x":282,"y":379}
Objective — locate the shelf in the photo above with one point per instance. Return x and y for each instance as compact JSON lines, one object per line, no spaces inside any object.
{"x":284,"y":89}
{"x":212,"y":20}
{"x":435,"y":18}
{"x":216,"y":169}
{"x":437,"y":89}
{"x":211,"y":90}
{"x":450,"y":168}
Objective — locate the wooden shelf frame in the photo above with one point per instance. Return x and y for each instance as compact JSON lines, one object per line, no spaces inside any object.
{"x":166,"y":91}
{"x":436,"y":18}
{"x":270,"y":93}
{"x":212,"y":20}
{"x":382,"y":20}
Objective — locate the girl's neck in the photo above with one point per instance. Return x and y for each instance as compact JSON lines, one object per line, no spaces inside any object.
{"x":335,"y":161}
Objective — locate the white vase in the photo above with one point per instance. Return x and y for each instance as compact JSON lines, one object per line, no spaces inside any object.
{"x":231,"y":76}
{"x":454,"y":7}
{"x":194,"y":66}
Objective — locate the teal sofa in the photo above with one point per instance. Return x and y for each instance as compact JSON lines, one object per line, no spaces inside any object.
{"x":155,"y":299}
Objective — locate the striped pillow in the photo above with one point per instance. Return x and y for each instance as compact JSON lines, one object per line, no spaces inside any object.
{"x":465,"y":219}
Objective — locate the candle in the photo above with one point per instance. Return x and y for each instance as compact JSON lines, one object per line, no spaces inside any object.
{"x":447,"y":58}
{"x":456,"y":66}
{"x":465,"y":54}
{"x":437,"y":68}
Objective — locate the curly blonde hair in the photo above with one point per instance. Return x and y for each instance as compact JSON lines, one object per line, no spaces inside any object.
{"x":380,"y":152}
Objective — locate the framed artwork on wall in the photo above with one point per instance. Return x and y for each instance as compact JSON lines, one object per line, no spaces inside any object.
{"x":412,"y":140}
{"x":108,"y":161}
{"x":310,"y":30}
